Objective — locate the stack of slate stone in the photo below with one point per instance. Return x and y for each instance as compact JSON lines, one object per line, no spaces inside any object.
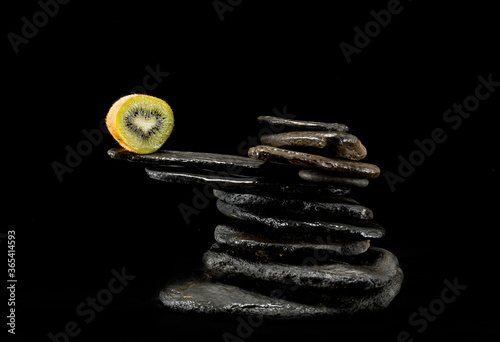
{"x":296,"y":246}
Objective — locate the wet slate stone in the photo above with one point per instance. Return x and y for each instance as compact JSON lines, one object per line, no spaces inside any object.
{"x":363,"y":272}
{"x":232,"y":165}
{"x":308,"y":282}
{"x":276,"y":248}
{"x":339,"y":166}
{"x":301,"y":124}
{"x":334,"y":144}
{"x":334,"y":208}
{"x":318,"y":176}
{"x":201,"y":295}
{"x":356,"y":230}
{"x":246,"y":183}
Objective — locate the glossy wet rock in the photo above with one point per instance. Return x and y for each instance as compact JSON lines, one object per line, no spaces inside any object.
{"x":334,"y":144}
{"x":301,"y":124}
{"x":367,"y":271}
{"x":279,"y":249}
{"x":339,"y":166}
{"x":307,"y":282}
{"x":232,"y":165}
{"x":329,"y":178}
{"x":200,"y":294}
{"x":246,"y":183}
{"x":334,"y":208}
{"x":361,"y":231}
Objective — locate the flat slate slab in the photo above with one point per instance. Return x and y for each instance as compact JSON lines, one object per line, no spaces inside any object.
{"x":246,"y":183}
{"x":232,"y":165}
{"x":363,"y":229}
{"x":273,"y":248}
{"x":336,"y":207}
{"x":341,"y":166}
{"x":199,"y":294}
{"x":334,"y":144}
{"x":308,"y":283}
{"x":327,"y":177}
{"x":301,"y":124}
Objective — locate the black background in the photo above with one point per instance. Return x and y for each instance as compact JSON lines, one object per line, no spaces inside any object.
{"x":107,"y":215}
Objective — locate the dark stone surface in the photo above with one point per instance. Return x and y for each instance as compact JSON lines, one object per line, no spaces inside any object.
{"x":364,"y":272}
{"x":302,"y":125}
{"x":356,"y":230}
{"x":200,"y":294}
{"x":335,"y":208}
{"x":273,"y":198}
{"x":318,"y":176}
{"x":339,"y":166}
{"x":308,"y":282}
{"x":277,"y":248}
{"x":332,"y":144}
{"x":246,"y":183}
{"x":232,"y":165}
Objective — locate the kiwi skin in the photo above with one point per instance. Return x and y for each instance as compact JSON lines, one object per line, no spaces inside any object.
{"x":111,"y":119}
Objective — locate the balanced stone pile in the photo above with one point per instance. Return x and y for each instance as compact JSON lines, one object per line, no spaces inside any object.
{"x":296,"y":246}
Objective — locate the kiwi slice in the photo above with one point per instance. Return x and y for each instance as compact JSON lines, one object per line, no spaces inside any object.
{"x":140,"y":123}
